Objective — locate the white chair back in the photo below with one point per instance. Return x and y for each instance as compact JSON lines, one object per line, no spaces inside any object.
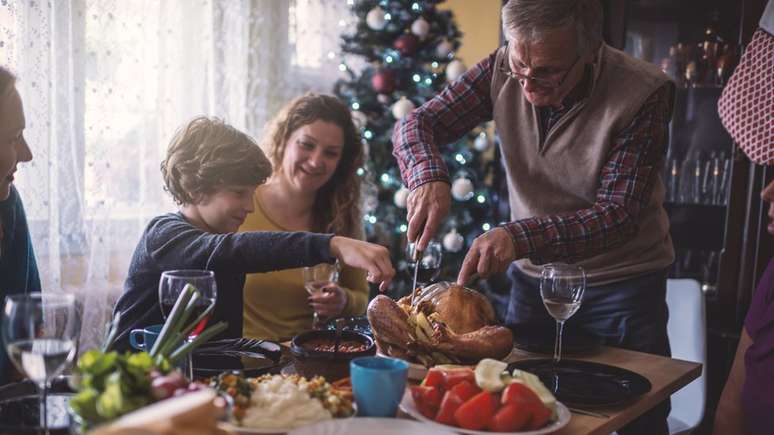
{"x":688,"y":340}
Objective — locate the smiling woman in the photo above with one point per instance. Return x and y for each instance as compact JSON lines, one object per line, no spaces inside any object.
{"x":316,"y":151}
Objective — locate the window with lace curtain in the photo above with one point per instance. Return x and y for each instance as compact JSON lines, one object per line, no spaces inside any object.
{"x":106,"y":83}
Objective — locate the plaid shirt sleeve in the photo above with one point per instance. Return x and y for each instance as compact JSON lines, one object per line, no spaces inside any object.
{"x":625,"y":185}
{"x":459,"y":108}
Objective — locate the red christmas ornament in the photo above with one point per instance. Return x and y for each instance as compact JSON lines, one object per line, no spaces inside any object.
{"x":383,"y":81}
{"x":406,"y":44}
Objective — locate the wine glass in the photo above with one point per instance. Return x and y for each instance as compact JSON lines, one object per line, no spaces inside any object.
{"x":172,"y":282}
{"x":41,"y":333}
{"x":561,"y":287}
{"x":318,"y":279}
{"x":429,"y":263}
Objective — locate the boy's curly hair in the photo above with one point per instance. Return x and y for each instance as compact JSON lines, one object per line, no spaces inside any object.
{"x":207,"y":154}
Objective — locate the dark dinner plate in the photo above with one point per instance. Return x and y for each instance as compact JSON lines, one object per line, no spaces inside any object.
{"x":541,"y":340}
{"x":586,"y":384}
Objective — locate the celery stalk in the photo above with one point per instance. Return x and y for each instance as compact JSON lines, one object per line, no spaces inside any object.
{"x":183,"y":321}
{"x":205,"y":335}
{"x":170,"y":326}
{"x":171,"y":344}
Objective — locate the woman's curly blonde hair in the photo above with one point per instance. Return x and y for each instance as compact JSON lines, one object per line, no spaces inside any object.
{"x":207,"y":154}
{"x":337,"y":205}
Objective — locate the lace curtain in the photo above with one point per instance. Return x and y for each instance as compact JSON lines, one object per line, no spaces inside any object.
{"x":105,"y":83}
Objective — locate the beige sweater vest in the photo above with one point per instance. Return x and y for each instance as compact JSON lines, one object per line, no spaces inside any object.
{"x":562,"y":174}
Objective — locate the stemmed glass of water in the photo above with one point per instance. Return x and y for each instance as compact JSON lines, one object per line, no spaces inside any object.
{"x":41,"y":334}
{"x":561,"y":287}
{"x":320,"y":278}
{"x":173,"y":282}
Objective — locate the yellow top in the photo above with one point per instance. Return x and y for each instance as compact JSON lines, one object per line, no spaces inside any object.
{"x":275,"y":303}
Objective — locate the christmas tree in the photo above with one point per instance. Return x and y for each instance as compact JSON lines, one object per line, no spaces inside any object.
{"x":409,"y":51}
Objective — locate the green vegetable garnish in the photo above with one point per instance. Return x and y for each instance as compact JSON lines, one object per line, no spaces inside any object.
{"x":113,"y":384}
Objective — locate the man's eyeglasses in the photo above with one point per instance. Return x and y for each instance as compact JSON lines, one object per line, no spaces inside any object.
{"x":546,"y":80}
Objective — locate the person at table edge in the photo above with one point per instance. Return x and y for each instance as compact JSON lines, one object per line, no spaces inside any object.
{"x":18,"y":268}
{"x":745,"y":108}
{"x":583,"y":135}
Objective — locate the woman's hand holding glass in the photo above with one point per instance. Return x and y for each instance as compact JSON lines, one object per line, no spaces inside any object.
{"x":319,"y":280}
{"x":329,"y":303}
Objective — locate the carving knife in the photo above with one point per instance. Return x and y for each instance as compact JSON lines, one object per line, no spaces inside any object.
{"x":417,"y":256}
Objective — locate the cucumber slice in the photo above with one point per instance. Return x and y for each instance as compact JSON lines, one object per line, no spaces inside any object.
{"x":489,"y":375}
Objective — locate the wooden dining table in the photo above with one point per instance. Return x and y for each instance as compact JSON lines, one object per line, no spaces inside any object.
{"x":666,"y":375}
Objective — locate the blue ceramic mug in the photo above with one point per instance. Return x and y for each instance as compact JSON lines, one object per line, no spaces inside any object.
{"x":378,"y":384}
{"x":143,"y":338}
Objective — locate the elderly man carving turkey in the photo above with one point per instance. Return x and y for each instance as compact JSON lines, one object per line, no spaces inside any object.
{"x":583,"y":131}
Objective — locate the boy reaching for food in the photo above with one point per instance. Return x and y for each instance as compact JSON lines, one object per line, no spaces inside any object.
{"x":212,"y":170}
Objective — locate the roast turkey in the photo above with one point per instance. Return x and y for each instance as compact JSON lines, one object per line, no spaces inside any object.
{"x":447,"y":324}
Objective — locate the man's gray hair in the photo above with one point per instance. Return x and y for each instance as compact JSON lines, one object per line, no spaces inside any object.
{"x":528,"y":20}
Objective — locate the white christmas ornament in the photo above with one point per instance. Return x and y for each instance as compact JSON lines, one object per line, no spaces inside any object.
{"x":462,"y":189}
{"x":420,"y":27}
{"x":375,"y":19}
{"x":383,"y":98}
{"x":454,"y":70}
{"x":453,"y":241}
{"x":444,"y":48}
{"x":402,"y":108}
{"x":359,"y":118}
{"x":401,"y":197}
{"x":481,"y":143}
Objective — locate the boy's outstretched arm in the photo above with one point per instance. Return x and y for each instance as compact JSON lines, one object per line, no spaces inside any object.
{"x":173,"y":244}
{"x":375,"y":259}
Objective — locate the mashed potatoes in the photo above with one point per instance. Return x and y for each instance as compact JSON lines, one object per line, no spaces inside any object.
{"x":280,"y":402}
